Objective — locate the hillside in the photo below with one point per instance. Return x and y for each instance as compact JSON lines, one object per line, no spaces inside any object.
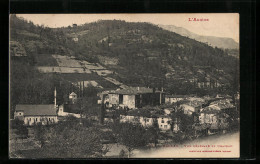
{"x":220,"y":42}
{"x":113,"y":54}
{"x":144,"y":54}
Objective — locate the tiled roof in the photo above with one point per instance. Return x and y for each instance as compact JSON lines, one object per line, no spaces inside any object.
{"x":191,"y":103}
{"x":176,"y":96}
{"x":223,"y":104}
{"x":37,"y":110}
{"x":134,"y":91}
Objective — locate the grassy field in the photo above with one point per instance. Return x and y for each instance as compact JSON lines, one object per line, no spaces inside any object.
{"x":45,"y":60}
{"x":51,"y":69}
{"x":75,"y":77}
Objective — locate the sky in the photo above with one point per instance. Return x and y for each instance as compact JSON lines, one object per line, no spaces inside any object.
{"x":219,"y":24}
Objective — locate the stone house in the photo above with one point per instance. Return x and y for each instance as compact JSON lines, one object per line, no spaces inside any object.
{"x":164,"y":123}
{"x":214,"y":118}
{"x":147,"y":121}
{"x":189,"y":109}
{"x":191,"y":106}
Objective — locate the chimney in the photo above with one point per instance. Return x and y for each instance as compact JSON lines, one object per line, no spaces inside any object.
{"x":83,"y":89}
{"x":55,"y":94}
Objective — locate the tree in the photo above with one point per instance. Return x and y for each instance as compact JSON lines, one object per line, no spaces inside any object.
{"x":86,"y":106}
{"x":39,"y":134}
{"x":21,"y":130}
{"x":132,"y":136}
{"x":75,"y":141}
{"x":186,"y":121}
{"x":152,"y":134}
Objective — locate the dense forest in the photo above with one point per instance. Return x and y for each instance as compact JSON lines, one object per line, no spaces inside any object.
{"x":145,"y":52}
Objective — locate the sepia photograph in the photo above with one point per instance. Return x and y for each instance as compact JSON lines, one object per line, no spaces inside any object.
{"x":121,"y":86}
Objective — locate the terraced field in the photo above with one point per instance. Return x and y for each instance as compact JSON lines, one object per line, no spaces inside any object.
{"x":66,"y":61}
{"x":77,"y":71}
{"x":63,"y":70}
{"x":79,"y":77}
{"x":87,"y":84}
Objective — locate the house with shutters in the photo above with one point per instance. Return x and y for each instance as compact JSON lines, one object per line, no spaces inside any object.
{"x":164,"y":123}
{"x":36,"y":114}
{"x":147,"y":121}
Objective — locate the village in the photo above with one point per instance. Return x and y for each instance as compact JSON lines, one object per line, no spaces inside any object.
{"x":176,"y":117}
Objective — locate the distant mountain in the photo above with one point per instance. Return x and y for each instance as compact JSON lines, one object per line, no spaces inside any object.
{"x":220,"y":42}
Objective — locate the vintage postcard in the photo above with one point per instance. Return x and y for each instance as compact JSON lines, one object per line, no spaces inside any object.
{"x":124,"y":86}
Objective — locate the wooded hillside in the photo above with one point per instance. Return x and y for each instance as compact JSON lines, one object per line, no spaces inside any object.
{"x":145,"y":55}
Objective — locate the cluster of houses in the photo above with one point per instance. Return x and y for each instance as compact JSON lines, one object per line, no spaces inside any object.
{"x":207,"y":113}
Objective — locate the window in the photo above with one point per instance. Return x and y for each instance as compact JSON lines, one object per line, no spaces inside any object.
{"x":30,"y":119}
{"x":165,"y":126}
{"x":120,"y":99}
{"x":49,"y":119}
{"x":162,"y":121}
{"x":20,"y":113}
{"x":36,"y":119}
{"x":161,"y":125}
{"x":147,"y":120}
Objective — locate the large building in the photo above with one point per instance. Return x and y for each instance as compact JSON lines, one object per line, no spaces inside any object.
{"x":34,"y":114}
{"x":134,"y":97}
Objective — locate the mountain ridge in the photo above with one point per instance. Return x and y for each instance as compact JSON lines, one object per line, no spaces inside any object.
{"x":214,"y":41}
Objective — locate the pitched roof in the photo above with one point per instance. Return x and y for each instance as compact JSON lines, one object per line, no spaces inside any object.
{"x":212,"y":109}
{"x":37,"y":110}
{"x":134,"y":90}
{"x":73,"y":94}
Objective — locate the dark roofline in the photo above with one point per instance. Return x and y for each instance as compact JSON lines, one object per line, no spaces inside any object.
{"x":37,"y":109}
{"x":40,"y":115}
